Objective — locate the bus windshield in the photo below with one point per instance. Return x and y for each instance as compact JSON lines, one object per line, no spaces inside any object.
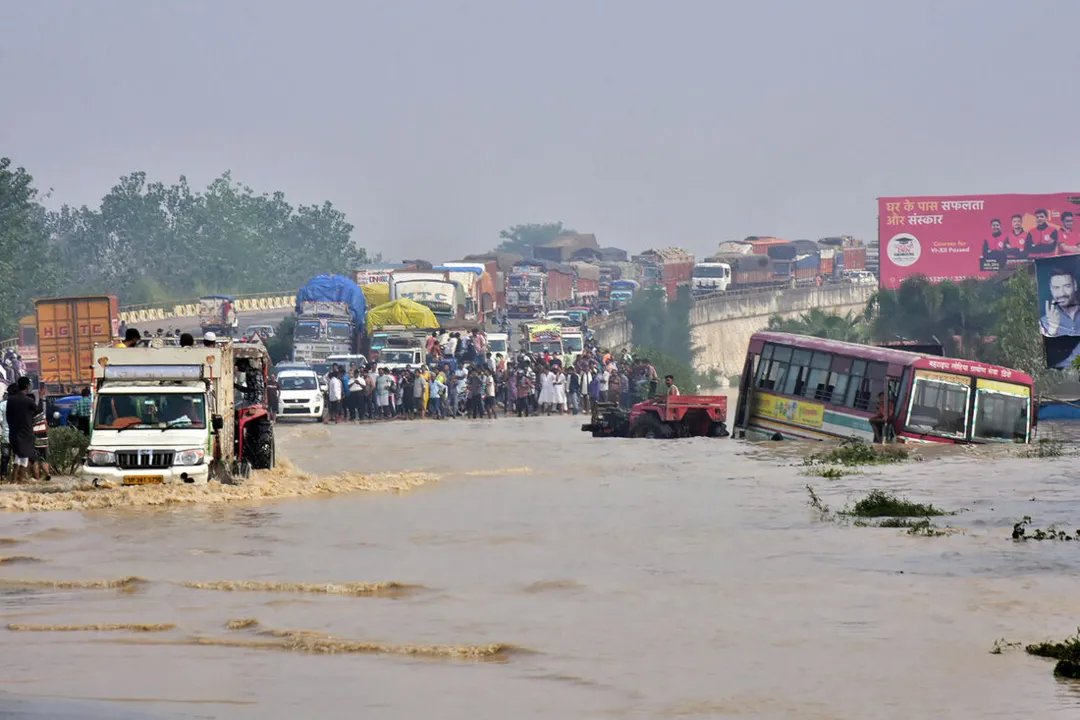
{"x":939,"y":404}
{"x":1002,"y":411}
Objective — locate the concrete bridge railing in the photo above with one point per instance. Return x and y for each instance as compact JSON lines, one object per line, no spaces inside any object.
{"x":721,"y":324}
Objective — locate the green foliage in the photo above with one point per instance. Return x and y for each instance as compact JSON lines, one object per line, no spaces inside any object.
{"x":1066,"y":652}
{"x":29,"y":264}
{"x":151,"y":242}
{"x":1053,"y":532}
{"x":879,"y":503}
{"x":657,"y":323}
{"x":855,"y":451}
{"x":280,"y":346}
{"x":818,"y":323}
{"x":1019,"y":343}
{"x":67,"y":446}
{"x":521,"y":239}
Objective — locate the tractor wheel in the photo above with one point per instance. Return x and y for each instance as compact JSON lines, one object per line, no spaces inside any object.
{"x":649,"y":426}
{"x":718,"y":430}
{"x":259,"y":447}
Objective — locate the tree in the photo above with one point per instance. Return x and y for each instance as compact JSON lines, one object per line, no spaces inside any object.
{"x":521,"y":239}
{"x":1018,"y":342}
{"x":29,"y":265}
{"x":151,"y":242}
{"x":818,"y":323}
{"x":662,"y":326}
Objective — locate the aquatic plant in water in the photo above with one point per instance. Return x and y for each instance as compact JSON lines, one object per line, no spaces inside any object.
{"x":1066,"y":652}
{"x":895,"y":512}
{"x":854,"y":451}
{"x":1052,"y":532}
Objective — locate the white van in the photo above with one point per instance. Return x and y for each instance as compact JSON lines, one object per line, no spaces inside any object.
{"x":300,"y":395}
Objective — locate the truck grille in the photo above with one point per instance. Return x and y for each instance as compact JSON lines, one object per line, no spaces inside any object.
{"x":133,"y":459}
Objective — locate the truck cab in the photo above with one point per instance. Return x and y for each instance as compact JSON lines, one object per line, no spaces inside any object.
{"x":178,"y":415}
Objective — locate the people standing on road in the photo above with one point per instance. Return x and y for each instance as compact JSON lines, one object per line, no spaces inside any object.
{"x":79,"y":416}
{"x":357,"y":396}
{"x":436,"y":390}
{"x":187,"y":340}
{"x":209,"y":339}
{"x":383,"y":384}
{"x":559,"y":387}
{"x":273,"y":395}
{"x":420,"y":390}
{"x":489,"y":393}
{"x":547,"y":389}
{"x":20,"y":414}
{"x":524,"y":393}
{"x":334,"y":392}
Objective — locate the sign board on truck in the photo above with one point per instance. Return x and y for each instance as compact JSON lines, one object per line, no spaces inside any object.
{"x":964,"y":236}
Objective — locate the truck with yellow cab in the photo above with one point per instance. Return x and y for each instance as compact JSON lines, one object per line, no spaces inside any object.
{"x":179,"y":415}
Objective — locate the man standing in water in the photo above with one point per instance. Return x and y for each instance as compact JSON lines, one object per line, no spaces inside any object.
{"x":20,"y":413}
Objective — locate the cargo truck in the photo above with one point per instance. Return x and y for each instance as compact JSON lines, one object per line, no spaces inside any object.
{"x":525,"y":292}
{"x":68,"y":329}
{"x":179,"y":415}
{"x":667,"y":268}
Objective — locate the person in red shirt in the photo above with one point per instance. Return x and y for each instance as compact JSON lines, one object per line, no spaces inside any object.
{"x":1068,"y":239}
{"x":1017,"y":243}
{"x":1043,"y":238}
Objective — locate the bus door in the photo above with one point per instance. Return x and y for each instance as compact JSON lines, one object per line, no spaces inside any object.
{"x":746,"y":385}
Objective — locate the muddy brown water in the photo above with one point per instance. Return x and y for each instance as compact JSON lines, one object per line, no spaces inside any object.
{"x":522,"y":569}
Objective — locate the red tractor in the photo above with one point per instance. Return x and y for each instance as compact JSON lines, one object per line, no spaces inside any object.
{"x":669,"y":416}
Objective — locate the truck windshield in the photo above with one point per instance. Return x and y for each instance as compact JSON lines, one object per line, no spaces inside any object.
{"x":497,"y":346}
{"x":339,"y":331}
{"x":709,"y":272}
{"x":396,"y":356}
{"x":306,"y":331}
{"x":150,"y":410}
{"x":298,"y":382}
{"x":572,"y":343}
{"x":551,"y":347}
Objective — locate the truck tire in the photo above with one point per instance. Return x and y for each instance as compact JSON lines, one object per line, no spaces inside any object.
{"x":259,"y":447}
{"x":718,"y":430}
{"x":649,"y":426}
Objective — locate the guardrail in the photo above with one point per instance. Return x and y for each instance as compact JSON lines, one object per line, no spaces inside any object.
{"x":151,"y":312}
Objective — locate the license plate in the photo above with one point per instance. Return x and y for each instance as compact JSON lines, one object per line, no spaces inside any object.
{"x":144,"y":479}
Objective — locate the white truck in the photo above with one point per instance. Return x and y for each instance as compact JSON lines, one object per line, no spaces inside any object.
{"x":179,"y":415}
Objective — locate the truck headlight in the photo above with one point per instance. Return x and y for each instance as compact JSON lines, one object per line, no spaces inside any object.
{"x":190,"y":457}
{"x":101,"y":458}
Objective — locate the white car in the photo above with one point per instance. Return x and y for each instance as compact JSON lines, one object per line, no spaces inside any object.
{"x":299,"y":395}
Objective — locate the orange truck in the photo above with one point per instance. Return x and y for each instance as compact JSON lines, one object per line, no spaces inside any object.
{"x":67,"y":331}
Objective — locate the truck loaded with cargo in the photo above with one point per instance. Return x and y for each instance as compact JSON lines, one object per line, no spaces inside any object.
{"x":559,"y":287}
{"x":525,"y":288}
{"x":217,"y":314}
{"x":330,"y":311}
{"x":586,"y":282}
{"x":665,"y":267}
{"x":68,"y":329}
{"x":434,"y":289}
{"x":179,"y":415}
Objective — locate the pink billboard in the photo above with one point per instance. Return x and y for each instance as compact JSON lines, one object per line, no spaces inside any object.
{"x":962,"y":236}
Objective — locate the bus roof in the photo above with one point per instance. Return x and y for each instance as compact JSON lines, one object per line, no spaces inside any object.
{"x":891,"y":356}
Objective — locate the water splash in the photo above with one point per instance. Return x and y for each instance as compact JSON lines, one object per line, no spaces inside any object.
{"x":19,"y":559}
{"x":99,"y":627}
{"x":375,"y":589}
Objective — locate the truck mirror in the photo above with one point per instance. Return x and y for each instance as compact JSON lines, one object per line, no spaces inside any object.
{"x":217,"y":422}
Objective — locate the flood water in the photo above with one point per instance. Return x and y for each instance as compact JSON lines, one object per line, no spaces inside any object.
{"x":543,"y":574}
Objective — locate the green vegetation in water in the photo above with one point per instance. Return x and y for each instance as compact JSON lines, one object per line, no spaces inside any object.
{"x":1045,"y":448}
{"x":1001,"y":645}
{"x":858,"y":452}
{"x":1021,"y":530}
{"x":829,"y":473}
{"x":67,"y":446}
{"x":893,"y":511}
{"x":1066,"y":652}
{"x":879,"y":503}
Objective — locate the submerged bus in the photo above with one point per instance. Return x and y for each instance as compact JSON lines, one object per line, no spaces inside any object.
{"x":794,"y":386}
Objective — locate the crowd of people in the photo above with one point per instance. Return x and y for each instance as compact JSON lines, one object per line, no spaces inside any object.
{"x":477,"y":384}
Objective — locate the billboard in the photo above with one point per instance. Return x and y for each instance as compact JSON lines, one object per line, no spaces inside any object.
{"x":963,"y":236}
{"x":1059,"y":308}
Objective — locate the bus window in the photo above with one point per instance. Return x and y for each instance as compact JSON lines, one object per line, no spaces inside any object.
{"x":798,"y":372}
{"x":939,"y":404}
{"x":1001,"y":411}
{"x":855,"y":390}
{"x":817,"y":386}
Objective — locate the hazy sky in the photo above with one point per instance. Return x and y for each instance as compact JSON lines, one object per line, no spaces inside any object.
{"x":434,"y":124}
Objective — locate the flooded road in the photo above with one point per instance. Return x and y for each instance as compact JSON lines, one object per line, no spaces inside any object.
{"x":523,"y":569}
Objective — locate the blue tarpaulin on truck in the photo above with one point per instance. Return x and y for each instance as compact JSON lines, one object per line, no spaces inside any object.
{"x":335,"y":288}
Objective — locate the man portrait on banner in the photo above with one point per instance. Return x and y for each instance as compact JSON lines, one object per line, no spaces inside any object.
{"x":1016,"y":246}
{"x":1068,"y":239}
{"x":1061,"y":313}
{"x":1043,"y":238}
